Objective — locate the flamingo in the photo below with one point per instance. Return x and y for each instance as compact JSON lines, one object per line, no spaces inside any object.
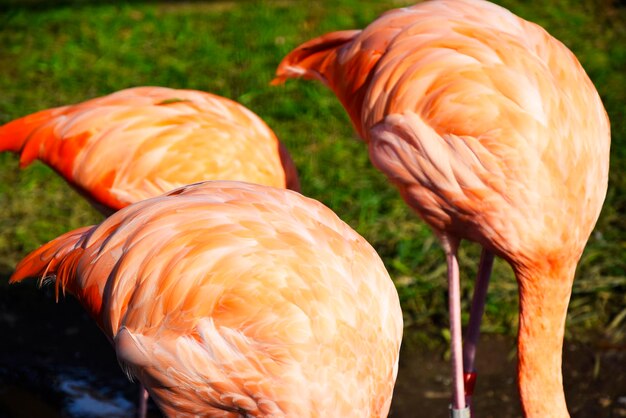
{"x":492,"y":132}
{"x":140,"y":142}
{"x":232,"y":299}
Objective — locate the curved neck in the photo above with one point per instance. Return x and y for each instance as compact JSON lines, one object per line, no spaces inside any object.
{"x":544,"y":297}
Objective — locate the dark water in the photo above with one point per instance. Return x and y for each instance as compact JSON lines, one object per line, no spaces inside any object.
{"x":54,"y":362}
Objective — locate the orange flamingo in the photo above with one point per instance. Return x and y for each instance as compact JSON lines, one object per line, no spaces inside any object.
{"x":492,"y":132}
{"x":232,"y":299}
{"x":141,"y":142}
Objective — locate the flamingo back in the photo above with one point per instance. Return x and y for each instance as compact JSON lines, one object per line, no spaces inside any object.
{"x":140,"y":142}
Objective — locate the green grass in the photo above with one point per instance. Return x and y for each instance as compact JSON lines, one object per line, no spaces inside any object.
{"x":74,"y":50}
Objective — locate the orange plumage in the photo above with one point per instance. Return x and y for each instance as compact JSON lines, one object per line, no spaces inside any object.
{"x":492,"y":132}
{"x":141,"y":142}
{"x":232,"y":299}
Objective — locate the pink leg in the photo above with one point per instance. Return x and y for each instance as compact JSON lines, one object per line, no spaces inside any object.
{"x":478,"y":308}
{"x":458,"y":408}
{"x":143,"y":402}
{"x":473,"y":330}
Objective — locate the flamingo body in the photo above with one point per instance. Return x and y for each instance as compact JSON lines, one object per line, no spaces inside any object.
{"x":141,"y":142}
{"x":492,"y":132}
{"x":232,"y":299}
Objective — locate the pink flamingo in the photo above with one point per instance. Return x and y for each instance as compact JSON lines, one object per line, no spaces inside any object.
{"x":492,"y":132}
{"x":231,"y":299}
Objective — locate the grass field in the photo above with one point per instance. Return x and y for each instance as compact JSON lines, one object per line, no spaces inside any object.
{"x":62,"y":52}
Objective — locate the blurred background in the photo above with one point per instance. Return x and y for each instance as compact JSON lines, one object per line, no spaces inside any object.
{"x":53,"y":360}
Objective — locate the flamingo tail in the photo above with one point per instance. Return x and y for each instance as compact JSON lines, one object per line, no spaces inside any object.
{"x":57,"y":259}
{"x":24,"y":135}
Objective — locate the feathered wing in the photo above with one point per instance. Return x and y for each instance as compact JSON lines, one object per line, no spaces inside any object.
{"x":454,"y":182}
{"x":496,"y":108}
{"x":140,"y":142}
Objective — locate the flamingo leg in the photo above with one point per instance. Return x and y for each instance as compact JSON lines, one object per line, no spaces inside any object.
{"x":143,"y":402}
{"x":458,"y":408}
{"x":473,"y":331}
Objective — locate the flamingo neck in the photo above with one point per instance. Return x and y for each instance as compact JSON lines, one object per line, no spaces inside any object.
{"x":544,"y":297}
{"x":351,"y":81}
{"x":352,"y":101}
